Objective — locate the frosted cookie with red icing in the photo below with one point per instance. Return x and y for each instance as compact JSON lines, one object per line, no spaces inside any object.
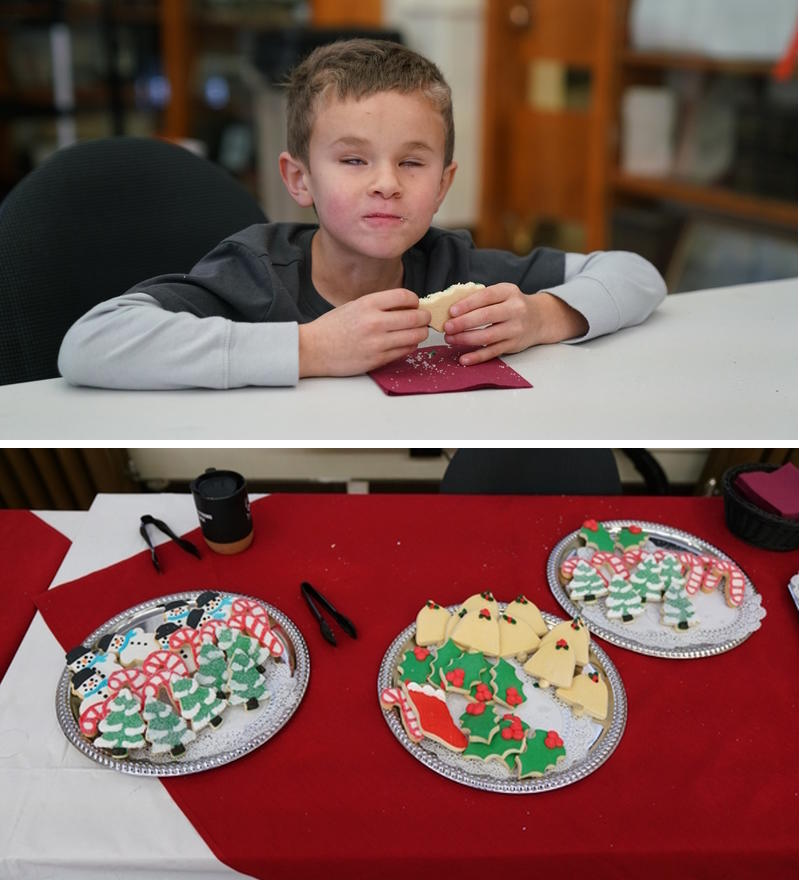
{"x":432,"y":620}
{"x":430,"y":704}
{"x":595,"y":535}
{"x":464,"y":672}
{"x":631,"y":538}
{"x":507,"y":684}
{"x":397,"y":698}
{"x":416,"y":665}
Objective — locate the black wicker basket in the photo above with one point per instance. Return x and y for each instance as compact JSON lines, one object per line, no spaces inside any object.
{"x":749,"y":522}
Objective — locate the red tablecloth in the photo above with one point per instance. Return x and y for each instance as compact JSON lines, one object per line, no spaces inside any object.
{"x":703,"y":783}
{"x":31,"y":551}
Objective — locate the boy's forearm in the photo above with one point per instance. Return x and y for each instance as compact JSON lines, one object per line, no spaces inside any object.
{"x":553,"y":320}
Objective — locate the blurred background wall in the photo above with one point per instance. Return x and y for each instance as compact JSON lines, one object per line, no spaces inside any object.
{"x":667,"y":128}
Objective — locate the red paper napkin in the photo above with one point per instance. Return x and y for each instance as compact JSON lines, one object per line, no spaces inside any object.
{"x":436,"y":370}
{"x":774,"y":491}
{"x":31,"y":551}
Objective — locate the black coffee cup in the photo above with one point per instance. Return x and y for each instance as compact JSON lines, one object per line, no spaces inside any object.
{"x":223,"y":509}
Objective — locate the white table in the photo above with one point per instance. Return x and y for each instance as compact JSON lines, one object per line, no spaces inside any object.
{"x":57,"y":815}
{"x":708,"y":367}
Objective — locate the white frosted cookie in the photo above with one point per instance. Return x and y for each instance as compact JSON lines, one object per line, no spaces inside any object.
{"x":432,"y":622}
{"x":438,"y":304}
{"x":587,"y":693}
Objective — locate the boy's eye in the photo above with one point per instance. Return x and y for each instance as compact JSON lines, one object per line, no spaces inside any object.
{"x":412,"y":163}
{"x":351,"y":160}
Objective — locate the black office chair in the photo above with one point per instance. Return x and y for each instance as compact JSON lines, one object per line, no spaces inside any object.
{"x":91,"y":222}
{"x":546,"y":472}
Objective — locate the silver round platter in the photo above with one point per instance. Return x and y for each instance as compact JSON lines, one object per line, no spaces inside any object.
{"x":719,"y":628}
{"x":241,"y":731}
{"x":588,"y":742}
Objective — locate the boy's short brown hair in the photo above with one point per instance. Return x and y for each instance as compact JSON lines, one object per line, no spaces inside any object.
{"x":356,"y":69}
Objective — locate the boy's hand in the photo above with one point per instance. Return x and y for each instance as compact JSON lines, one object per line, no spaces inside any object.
{"x":516,"y":322}
{"x":361,"y":335}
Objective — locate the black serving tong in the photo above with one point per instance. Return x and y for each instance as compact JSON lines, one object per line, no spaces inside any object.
{"x":183,"y":543}
{"x":312,"y":597}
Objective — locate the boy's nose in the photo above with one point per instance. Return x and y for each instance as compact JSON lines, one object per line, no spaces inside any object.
{"x":385,"y":182}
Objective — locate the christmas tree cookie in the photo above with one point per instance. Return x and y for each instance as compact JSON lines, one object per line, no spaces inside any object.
{"x":507,"y":684}
{"x":677,"y":610}
{"x":432,"y":620}
{"x":201,"y":705}
{"x":478,"y":630}
{"x":631,"y":538}
{"x":166,"y":730}
{"x":245,"y":683}
{"x":553,"y":663}
{"x":523,"y":609}
{"x":415,"y":665}
{"x":587,"y":584}
{"x":596,"y":536}
{"x":122,"y":728}
{"x":646,"y":579}
{"x":517,"y":638}
{"x":575,"y":632}
{"x":671,"y":568}
{"x":623,"y":601}
{"x":588,"y":693}
{"x":212,"y":668}
{"x":542,"y":751}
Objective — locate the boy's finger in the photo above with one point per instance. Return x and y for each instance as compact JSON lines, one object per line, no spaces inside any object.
{"x":481,"y":355}
{"x":396,"y":298}
{"x":486,"y":296}
{"x":479,"y":317}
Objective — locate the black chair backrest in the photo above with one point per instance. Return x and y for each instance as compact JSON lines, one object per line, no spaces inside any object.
{"x":532,"y":471}
{"x":92,"y":221}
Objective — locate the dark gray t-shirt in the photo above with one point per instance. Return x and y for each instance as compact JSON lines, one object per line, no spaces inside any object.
{"x":263,"y":273}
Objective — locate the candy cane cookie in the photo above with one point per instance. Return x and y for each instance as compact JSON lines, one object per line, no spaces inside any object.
{"x":695,"y":571}
{"x":731,"y":577}
{"x":616,"y":563}
{"x":259,"y":628}
{"x":395,"y":697}
{"x":159,"y":660}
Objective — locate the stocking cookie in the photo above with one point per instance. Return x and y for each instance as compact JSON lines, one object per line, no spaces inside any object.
{"x":430,"y":704}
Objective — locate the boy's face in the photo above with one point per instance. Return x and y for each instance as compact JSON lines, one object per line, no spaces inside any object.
{"x":376,"y":172}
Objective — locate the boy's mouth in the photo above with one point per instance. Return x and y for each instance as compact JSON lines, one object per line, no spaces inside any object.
{"x":380,"y":218}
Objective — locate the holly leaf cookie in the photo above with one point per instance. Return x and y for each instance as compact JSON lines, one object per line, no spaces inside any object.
{"x":415,"y":665}
{"x":480,"y":721}
{"x":596,"y":536}
{"x":542,"y":751}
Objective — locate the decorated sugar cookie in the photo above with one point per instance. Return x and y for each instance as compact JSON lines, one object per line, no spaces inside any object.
{"x":480,"y":600}
{"x":465,"y":671}
{"x":246,"y":685}
{"x":397,"y":698}
{"x":596,"y":536}
{"x":543,"y":751}
{"x":587,"y":693}
{"x":137,"y":645}
{"x":432,"y":621}
{"x":430,"y":704}
{"x":480,"y":722}
{"x":553,"y":663}
{"x":166,"y":730}
{"x":483,"y":690}
{"x":587,"y":584}
{"x":90,"y":685}
{"x":122,"y":729}
{"x":575,"y":632}
{"x":678,"y":610}
{"x":631,"y":538}
{"x":415,"y":665}
{"x":507,"y":684}
{"x":523,"y":609}
{"x":478,"y":630}
{"x":212,"y":668}
{"x":202,"y":705}
{"x":623,"y":601}
{"x":444,"y":655}
{"x":517,"y":639}
{"x":453,"y":622}
{"x":647,"y":580}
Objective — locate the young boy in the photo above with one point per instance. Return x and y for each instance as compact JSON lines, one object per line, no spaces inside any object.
{"x":370,"y":147}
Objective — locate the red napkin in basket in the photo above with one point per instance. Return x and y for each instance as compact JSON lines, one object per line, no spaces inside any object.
{"x":31,"y":551}
{"x":435,"y":370}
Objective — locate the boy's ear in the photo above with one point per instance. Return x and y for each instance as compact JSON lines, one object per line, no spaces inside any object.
{"x":447,"y":180}
{"x":295,"y":178}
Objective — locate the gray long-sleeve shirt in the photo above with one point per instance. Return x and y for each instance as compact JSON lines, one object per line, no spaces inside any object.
{"x":232,"y":321}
